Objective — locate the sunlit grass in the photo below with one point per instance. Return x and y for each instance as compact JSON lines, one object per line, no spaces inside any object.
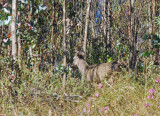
{"x":38,"y":93}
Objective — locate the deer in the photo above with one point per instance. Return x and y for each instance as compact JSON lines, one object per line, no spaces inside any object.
{"x":94,"y":73}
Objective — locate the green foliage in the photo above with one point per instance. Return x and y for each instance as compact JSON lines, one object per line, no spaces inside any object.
{"x":4,"y":15}
{"x":7,"y":43}
{"x":147,"y":36}
{"x":157,"y":20}
{"x":140,"y":66}
{"x":157,"y":41}
{"x":147,"y":53}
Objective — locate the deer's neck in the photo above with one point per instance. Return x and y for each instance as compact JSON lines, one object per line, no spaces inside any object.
{"x":82,"y":65}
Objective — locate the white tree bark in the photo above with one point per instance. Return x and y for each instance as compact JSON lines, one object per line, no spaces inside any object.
{"x":86,"y":26}
{"x":106,"y":23}
{"x":19,"y":43}
{"x":64,"y":42}
{"x":13,"y":29}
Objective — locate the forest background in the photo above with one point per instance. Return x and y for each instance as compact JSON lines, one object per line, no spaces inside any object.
{"x":39,"y":39}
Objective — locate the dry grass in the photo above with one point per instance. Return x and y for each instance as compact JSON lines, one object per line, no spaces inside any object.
{"x":41,"y":94}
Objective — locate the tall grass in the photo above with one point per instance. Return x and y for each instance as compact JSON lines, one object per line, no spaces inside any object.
{"x":38,"y":93}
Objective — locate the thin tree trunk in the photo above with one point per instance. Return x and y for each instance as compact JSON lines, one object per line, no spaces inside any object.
{"x":92,"y":24}
{"x":93,"y":32}
{"x":64,"y":43}
{"x":9,"y":48}
{"x":53,"y":40}
{"x":150,"y":19}
{"x":19,"y":43}
{"x":1,"y":36}
{"x":158,"y":51}
{"x":158,"y":9}
{"x":156,"y":48}
{"x":81,"y":25}
{"x":13,"y":30}
{"x":107,"y":25}
{"x":92,"y":21}
{"x":132,"y":37}
{"x":159,"y":15}
{"x":153,"y":16}
{"x":135,"y":25}
{"x":104,"y":23}
{"x":86,"y":26}
{"x":69,"y":30}
{"x":30,"y":18}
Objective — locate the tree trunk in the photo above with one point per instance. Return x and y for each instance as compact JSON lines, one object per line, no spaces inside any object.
{"x":149,"y":19}
{"x":107,"y":25}
{"x":64,"y":43}
{"x":86,"y":26}
{"x":153,"y":16}
{"x":156,"y":48}
{"x":69,"y":24}
{"x":132,"y":36}
{"x":53,"y":40}
{"x":30,"y":7}
{"x":13,"y":30}
{"x":92,"y":24}
{"x":104,"y":12}
{"x":9,"y":48}
{"x":19,"y":42}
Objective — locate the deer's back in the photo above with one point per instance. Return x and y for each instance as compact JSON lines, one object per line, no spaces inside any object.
{"x":99,"y":72}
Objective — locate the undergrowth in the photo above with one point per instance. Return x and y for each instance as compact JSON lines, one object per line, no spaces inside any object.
{"x":39,"y":93}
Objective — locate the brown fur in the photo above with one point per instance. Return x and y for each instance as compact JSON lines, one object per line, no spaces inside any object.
{"x":94,"y":73}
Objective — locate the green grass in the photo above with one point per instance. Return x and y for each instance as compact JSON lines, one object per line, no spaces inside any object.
{"x":41,"y":94}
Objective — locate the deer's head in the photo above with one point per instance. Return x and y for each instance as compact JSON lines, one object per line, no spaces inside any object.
{"x":79,"y":55}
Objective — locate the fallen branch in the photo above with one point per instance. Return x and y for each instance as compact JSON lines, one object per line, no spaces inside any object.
{"x":67,"y":97}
